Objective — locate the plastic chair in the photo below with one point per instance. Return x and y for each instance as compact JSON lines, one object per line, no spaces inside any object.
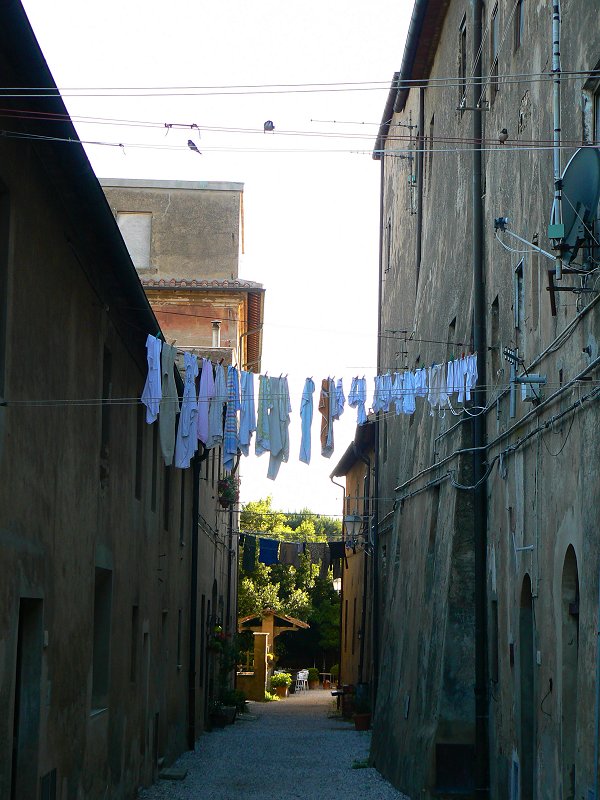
{"x":302,"y":680}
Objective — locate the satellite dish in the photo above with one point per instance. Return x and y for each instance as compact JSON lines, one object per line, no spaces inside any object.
{"x":580,"y":196}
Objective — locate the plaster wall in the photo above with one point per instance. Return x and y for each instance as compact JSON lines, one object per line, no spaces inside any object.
{"x":541,"y":494}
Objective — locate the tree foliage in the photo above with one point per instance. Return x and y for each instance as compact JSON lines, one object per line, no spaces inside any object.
{"x":300,"y":592}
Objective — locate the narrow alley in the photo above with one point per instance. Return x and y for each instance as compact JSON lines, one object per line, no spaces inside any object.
{"x":295,"y":748}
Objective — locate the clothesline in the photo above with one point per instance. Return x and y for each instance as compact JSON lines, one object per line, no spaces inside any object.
{"x":218,"y":405}
{"x":273,"y":551}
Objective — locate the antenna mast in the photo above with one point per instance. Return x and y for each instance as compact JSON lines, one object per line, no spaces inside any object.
{"x":556,"y":218}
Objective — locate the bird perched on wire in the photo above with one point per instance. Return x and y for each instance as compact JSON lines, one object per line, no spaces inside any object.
{"x":192,"y":146}
{"x":268,"y":127}
{"x":503,"y":136}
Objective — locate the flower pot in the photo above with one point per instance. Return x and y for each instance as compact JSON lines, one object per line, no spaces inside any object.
{"x":224,"y":502}
{"x":281,"y":691}
{"x":362,"y":721}
{"x":313,"y":684}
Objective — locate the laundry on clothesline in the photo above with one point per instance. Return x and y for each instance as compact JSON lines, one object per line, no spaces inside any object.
{"x":218,"y":405}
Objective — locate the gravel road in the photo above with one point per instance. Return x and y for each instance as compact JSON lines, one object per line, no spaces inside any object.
{"x":294,"y":749}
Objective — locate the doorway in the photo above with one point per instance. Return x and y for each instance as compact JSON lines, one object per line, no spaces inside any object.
{"x":26,"y":714}
{"x":526,"y":664}
{"x":569,"y":667}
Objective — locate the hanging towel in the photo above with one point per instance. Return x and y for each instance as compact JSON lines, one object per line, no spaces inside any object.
{"x":249,"y":557}
{"x":268,"y":551}
{"x":263,"y":443}
{"x":169,"y":404}
{"x":215,"y":409}
{"x":306,"y":417}
{"x":152,"y":392}
{"x":187,"y":439}
{"x":279,"y":423}
{"x":206,"y":392}
{"x":325,"y":403}
{"x":247,"y":412}
{"x":231,"y":435}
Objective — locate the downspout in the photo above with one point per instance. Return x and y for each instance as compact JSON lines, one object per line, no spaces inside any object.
{"x":557,"y":217}
{"x":376,"y":594}
{"x":340,"y":680}
{"x":479,"y":435}
{"x":597,"y":704}
{"x":363,"y":621}
{"x":191,"y":739}
{"x":420,"y":162}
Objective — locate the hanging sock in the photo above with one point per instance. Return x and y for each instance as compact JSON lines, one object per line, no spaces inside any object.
{"x":169,"y":404}
{"x":215,"y":409}
{"x":206,"y":392}
{"x":187,"y":438}
{"x":231,"y":437}
{"x":265,"y":403}
{"x":152,"y":392}
{"x":247,"y":412}
{"x":306,"y":417}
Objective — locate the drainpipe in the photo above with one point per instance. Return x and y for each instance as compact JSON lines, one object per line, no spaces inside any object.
{"x":191,"y":739}
{"x":479,"y":436}
{"x":363,"y":621}
{"x":420,"y":156}
{"x":557,"y":217}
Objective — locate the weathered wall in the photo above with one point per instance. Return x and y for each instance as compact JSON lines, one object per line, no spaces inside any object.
{"x":195,"y":227}
{"x":542,"y":493}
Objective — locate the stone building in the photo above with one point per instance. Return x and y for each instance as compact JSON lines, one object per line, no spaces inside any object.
{"x":357,"y":466}
{"x":486,"y":521}
{"x":113,"y":567}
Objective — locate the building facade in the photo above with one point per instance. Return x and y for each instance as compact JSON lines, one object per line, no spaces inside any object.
{"x":487,"y":603}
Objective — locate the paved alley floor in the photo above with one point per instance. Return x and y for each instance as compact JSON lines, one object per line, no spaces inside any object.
{"x":291,"y":749}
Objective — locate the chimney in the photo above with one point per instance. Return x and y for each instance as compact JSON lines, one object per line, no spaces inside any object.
{"x":216,"y":333}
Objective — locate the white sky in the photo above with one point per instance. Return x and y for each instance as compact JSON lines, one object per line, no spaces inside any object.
{"x":311,"y":217}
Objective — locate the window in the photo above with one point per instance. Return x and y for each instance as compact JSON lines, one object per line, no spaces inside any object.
{"x":518,"y":298}
{"x":494,"y":54}
{"x":495,"y":339}
{"x":388,"y":257}
{"x":136,"y":230}
{"x":462,"y":63}
{"x":519,"y":23}
{"x":101,"y":647}
{"x":139,"y":450}
{"x":4,"y":230}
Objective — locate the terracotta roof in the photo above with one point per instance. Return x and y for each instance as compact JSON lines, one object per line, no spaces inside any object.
{"x":266,"y":611}
{"x":174,"y":283}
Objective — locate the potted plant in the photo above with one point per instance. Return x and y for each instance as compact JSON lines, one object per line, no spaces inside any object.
{"x":228,"y":489}
{"x":217,"y":640}
{"x":281,"y":682}
{"x":313,"y":678}
{"x":335,"y":674}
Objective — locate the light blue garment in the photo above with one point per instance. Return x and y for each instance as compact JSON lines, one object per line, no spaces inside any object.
{"x":358,"y":397}
{"x":279,"y":423}
{"x":248,"y":411}
{"x":383,"y":393}
{"x":306,"y":416}
{"x":339,"y":401}
{"x":152,"y":393}
{"x":215,"y":411}
{"x":231,"y":438}
{"x":265,"y":403}
{"x":187,"y":439}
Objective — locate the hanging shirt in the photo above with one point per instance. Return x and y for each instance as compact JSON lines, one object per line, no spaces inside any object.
{"x":206,"y":392}
{"x":340,"y":400}
{"x":249,"y":557}
{"x":265,"y":403}
{"x":398,"y":392}
{"x":215,"y":409}
{"x":279,"y":423}
{"x":187,"y":438}
{"x":325,"y":402}
{"x":306,"y":417}
{"x":169,"y":404}
{"x":421,"y":385}
{"x":382,"y":396}
{"x":152,"y":392}
{"x":357,"y":399}
{"x":248,"y":411}
{"x":410,"y":392}
{"x":268,"y":551}
{"x":231,"y":436}
{"x":471,"y":374}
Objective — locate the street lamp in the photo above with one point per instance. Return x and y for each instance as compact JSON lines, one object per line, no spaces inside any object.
{"x":353,"y":523}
